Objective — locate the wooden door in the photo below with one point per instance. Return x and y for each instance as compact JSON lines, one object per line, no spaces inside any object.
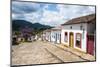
{"x":71,"y":39}
{"x":90,"y":45}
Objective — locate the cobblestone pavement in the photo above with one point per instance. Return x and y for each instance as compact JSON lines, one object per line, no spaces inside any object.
{"x":32,"y":53}
{"x":39,"y":52}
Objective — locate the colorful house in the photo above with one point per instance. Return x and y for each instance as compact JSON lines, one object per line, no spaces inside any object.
{"x":79,"y":33}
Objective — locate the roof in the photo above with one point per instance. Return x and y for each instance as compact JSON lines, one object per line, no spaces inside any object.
{"x":56,"y":28}
{"x":48,"y":30}
{"x":83,"y":19}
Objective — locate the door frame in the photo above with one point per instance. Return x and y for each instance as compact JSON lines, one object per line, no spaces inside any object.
{"x":80,"y":40}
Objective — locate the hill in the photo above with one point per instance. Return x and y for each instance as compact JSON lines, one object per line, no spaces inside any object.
{"x":21,"y":24}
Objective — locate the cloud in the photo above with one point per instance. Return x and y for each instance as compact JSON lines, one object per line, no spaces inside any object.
{"x":72,"y":11}
{"x":51,"y":17}
{"x":65,"y":13}
{"x":24,"y":7}
{"x":48,"y":14}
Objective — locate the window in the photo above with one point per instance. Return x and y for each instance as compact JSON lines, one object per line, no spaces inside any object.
{"x":78,"y":40}
{"x":70,"y":27}
{"x":54,"y":36}
{"x":66,"y":37}
{"x":81,"y":27}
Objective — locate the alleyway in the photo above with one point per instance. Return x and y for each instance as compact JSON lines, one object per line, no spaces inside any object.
{"x":39,"y":52}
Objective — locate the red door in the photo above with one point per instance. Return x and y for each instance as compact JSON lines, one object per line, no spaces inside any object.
{"x":90,"y":44}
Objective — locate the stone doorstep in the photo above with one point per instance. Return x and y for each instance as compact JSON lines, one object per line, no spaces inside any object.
{"x":79,"y":53}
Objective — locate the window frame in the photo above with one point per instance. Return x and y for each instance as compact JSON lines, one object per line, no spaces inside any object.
{"x":80,"y":40}
{"x":65,"y":36}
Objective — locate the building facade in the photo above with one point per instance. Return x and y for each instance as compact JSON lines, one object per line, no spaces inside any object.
{"x":52,"y":35}
{"x":56,"y":35}
{"x":79,"y":33}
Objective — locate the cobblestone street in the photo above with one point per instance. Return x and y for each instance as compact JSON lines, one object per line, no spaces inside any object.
{"x":32,"y":53}
{"x":39,"y":52}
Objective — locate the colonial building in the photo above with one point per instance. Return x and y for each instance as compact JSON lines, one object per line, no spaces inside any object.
{"x":52,"y":35}
{"x":46,"y":36}
{"x":56,"y":35}
{"x":79,"y":33}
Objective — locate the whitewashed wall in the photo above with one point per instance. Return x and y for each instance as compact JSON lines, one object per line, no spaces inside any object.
{"x":53,"y":36}
{"x":48,"y":37}
{"x":75,"y":29}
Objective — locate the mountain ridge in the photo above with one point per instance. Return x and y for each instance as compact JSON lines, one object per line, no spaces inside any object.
{"x":20,"y":24}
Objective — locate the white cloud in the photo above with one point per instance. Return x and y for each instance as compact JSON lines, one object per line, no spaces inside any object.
{"x":51,"y":17}
{"x":46,"y":16}
{"x":72,"y":11}
{"x":65,"y":13}
{"x":33,"y":17}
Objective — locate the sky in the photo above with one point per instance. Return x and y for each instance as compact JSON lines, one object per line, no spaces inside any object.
{"x":48,"y":13}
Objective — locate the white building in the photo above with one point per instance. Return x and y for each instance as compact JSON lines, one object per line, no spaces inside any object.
{"x":52,"y":35}
{"x":76,"y":33}
{"x":46,"y":36}
{"x":56,"y":35}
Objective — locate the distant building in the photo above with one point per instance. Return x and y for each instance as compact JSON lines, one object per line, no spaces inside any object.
{"x":46,"y":36}
{"x":27,"y":34}
{"x":56,"y":35}
{"x":52,"y":35}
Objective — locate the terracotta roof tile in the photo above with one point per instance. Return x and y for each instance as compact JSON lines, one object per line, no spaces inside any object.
{"x":83,"y":19}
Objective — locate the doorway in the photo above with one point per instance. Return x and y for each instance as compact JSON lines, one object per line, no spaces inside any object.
{"x":71,"y":39}
{"x":56,"y":38}
{"x":90,"y":44}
